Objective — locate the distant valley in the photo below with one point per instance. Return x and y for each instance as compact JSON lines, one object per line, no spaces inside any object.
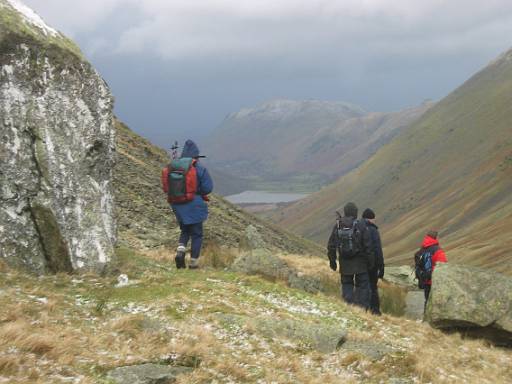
{"x":301,"y":146}
{"x":451,"y":170}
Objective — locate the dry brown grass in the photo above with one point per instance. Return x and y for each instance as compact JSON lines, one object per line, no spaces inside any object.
{"x":212,"y":255}
{"x":129,"y":325}
{"x":22,"y":335}
{"x":3,"y":267}
{"x":161,"y":254}
{"x":9,"y":364}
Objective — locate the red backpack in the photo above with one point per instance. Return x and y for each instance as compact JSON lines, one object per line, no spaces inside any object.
{"x":179,"y":180}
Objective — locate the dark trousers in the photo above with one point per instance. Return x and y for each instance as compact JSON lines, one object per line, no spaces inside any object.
{"x":355,"y":289}
{"x":194,"y":232}
{"x":426,"y":291}
{"x":374,"y":292}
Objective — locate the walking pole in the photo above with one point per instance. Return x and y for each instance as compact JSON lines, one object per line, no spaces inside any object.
{"x":174,"y":151}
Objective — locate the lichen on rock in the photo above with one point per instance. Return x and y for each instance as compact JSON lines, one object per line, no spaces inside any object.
{"x":56,"y":152}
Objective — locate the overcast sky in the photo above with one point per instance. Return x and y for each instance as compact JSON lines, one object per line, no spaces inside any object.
{"x":178,"y":67}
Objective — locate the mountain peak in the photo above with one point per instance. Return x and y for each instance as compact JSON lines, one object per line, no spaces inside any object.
{"x":283,"y":107}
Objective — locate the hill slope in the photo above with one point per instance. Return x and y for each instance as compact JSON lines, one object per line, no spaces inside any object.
{"x":146,"y":221}
{"x":309,"y":141}
{"x":218,"y":326}
{"x":451,"y":170}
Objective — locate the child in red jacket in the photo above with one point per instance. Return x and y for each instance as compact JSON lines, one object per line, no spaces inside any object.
{"x":431,"y":245}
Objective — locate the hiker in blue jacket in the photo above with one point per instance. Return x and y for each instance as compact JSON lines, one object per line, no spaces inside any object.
{"x":191,"y":215}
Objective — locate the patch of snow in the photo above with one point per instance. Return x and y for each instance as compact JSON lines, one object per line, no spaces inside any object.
{"x":32,"y":18}
{"x":122,"y":281}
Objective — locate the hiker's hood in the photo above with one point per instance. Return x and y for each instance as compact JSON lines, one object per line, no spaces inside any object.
{"x":190,"y":149}
{"x":429,"y":241}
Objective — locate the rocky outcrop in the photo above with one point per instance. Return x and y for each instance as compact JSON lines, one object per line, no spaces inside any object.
{"x":474,"y":300}
{"x":56,"y":150}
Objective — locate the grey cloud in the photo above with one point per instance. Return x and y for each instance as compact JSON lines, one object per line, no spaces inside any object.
{"x":184,"y":65}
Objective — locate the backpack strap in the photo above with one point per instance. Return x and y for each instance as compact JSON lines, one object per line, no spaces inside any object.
{"x":433,"y":249}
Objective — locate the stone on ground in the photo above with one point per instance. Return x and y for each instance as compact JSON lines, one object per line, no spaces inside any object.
{"x":147,"y":374}
{"x":414,"y":305}
{"x":402,"y":275}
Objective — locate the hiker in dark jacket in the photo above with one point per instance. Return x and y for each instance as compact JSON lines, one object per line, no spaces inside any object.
{"x":191,"y":215}
{"x":377,"y":272}
{"x":355,"y":287}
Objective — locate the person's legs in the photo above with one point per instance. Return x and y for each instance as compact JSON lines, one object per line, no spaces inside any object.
{"x":374,"y":292}
{"x":362,"y":296}
{"x":347,"y":288}
{"x":182,"y":246}
{"x":184,"y":235}
{"x":426,"y":291}
{"x":196,"y":232}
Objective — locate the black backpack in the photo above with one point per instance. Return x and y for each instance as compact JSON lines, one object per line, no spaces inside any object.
{"x":349,"y":237}
{"x":423,"y":264}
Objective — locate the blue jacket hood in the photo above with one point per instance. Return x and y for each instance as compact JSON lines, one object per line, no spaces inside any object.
{"x":190,"y":149}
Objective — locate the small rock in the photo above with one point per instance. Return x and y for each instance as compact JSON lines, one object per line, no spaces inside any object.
{"x":122,"y":281}
{"x":261,"y":262}
{"x":369,"y":349}
{"x":402,"y":275}
{"x":252,"y":239}
{"x":322,"y":338}
{"x":306,"y":283}
{"x":414,"y":304}
{"x":147,"y":374}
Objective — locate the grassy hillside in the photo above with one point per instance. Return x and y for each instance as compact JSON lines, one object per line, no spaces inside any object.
{"x":304,"y":144}
{"x":452,"y":170}
{"x":146,"y":221}
{"x":220,"y":327}
{"x":19,"y":23}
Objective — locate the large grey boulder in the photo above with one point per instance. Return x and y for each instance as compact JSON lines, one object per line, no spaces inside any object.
{"x":147,"y":374}
{"x":477,"y":301}
{"x":56,"y":150}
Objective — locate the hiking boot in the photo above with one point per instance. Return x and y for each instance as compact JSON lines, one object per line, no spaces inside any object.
{"x":180,"y":257}
{"x":194,"y":264}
